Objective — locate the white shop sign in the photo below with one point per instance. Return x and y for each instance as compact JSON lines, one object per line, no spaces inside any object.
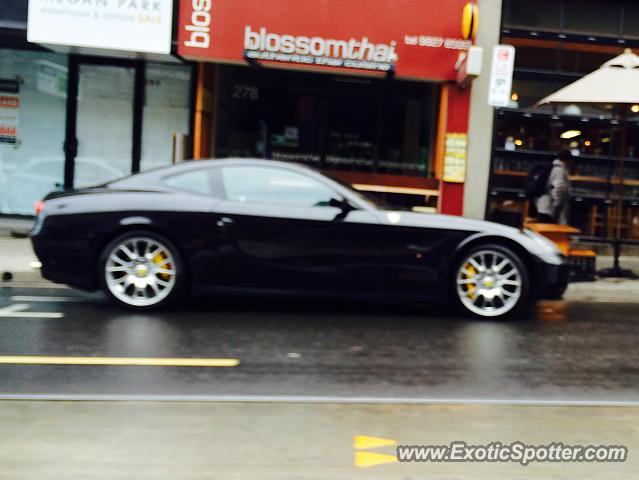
{"x":130,"y":25}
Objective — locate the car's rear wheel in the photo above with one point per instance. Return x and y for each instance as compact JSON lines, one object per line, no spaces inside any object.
{"x":141,"y":270}
{"x":490,"y":281}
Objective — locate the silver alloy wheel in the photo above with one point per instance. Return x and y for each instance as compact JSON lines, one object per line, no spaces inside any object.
{"x":489,"y":283}
{"x":140,"y":271}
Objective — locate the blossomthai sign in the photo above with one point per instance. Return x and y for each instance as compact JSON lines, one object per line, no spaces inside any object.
{"x":414,"y":38}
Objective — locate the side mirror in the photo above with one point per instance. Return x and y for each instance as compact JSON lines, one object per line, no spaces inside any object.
{"x":342,"y":204}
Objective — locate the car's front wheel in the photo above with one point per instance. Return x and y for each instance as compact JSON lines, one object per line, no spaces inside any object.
{"x":490,"y":281}
{"x":141,"y":270}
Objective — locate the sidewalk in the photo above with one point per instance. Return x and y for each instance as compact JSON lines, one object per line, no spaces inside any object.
{"x":11,"y":226}
{"x":288,"y":441}
{"x":17,"y":257}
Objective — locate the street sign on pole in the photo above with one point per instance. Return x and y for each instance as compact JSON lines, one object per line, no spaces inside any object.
{"x":501,"y":76}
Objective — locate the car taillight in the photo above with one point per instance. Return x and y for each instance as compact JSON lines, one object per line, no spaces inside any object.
{"x":38,"y":207}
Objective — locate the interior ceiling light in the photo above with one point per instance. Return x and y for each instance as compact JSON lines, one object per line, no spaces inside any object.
{"x":570,"y":134}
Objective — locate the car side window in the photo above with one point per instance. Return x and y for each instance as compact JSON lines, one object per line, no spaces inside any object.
{"x":274,"y":186}
{"x":194,"y":181}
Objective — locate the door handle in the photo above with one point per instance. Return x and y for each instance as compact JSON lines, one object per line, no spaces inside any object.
{"x":225,"y":222}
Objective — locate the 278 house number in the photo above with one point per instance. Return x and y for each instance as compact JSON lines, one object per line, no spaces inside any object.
{"x":245,"y":92}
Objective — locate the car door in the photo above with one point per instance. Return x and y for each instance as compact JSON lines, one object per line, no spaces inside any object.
{"x":278,"y":231}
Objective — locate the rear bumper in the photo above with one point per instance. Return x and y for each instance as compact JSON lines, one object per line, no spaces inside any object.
{"x":67,"y":262}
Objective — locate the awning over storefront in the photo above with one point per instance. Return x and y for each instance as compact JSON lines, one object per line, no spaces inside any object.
{"x":417,"y":39}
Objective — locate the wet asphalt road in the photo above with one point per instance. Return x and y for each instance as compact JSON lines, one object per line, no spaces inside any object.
{"x":560,"y":352}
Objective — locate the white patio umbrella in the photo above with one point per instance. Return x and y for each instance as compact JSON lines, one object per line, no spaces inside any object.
{"x":614,"y":85}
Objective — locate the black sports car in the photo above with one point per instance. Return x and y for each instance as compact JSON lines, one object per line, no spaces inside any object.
{"x":242,"y":225}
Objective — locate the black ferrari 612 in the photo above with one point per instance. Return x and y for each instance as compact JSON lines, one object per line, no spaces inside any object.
{"x":255,"y":225}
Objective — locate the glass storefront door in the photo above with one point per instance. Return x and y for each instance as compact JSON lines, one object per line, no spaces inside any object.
{"x":125,"y":116}
{"x":104,"y":124}
{"x":70,"y":121}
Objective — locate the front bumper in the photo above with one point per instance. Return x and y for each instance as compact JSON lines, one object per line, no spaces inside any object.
{"x":551,"y":280}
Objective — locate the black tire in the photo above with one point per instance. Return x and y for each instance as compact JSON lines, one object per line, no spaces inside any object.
{"x":499,"y":252}
{"x":177,"y":264}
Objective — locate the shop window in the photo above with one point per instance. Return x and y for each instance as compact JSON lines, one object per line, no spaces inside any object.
{"x":274,"y":186}
{"x":352,"y":134}
{"x":335,"y":123}
{"x":166,"y":112}
{"x":32,"y":118}
{"x":526,"y":92}
{"x":517,"y":133}
{"x":592,"y":17}
{"x":536,"y":15}
{"x":536,"y":58}
{"x":260,"y":116}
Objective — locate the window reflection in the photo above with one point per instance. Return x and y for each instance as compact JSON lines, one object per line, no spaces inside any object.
{"x":331,"y":122}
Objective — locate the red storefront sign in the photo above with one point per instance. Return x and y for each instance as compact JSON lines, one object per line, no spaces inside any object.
{"x":414,"y":38}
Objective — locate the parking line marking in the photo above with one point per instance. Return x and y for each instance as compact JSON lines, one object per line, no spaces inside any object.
{"x":13,"y":308}
{"x":17,"y":311}
{"x":125,"y":361}
{"x":33,"y":298}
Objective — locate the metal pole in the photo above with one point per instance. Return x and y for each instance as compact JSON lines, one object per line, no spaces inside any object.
{"x":616,"y":271}
{"x":621,"y":186}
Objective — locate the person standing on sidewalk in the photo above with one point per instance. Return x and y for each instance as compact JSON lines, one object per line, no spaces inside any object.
{"x":553,"y":206}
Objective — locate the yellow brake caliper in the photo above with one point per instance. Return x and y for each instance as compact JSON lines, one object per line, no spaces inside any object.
{"x":469,"y":274}
{"x":158,"y":259}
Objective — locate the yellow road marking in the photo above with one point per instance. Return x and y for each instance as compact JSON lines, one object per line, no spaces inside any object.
{"x":370,"y":459}
{"x":363,"y":442}
{"x":138,"y":361}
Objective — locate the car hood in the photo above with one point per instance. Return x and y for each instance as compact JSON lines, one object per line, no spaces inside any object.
{"x":532,"y":242}
{"x":445,"y":222}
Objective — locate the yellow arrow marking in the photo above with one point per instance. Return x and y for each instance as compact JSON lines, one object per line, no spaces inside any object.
{"x":151,"y":362}
{"x":362,"y":442}
{"x":370,"y":459}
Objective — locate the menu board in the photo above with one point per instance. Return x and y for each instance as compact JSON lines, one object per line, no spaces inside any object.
{"x":455,"y":158}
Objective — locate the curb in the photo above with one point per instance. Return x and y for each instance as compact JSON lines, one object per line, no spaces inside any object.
{"x":27,"y":280}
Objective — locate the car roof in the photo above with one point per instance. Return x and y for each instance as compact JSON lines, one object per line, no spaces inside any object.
{"x":240,"y":161}
{"x":155,"y":176}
